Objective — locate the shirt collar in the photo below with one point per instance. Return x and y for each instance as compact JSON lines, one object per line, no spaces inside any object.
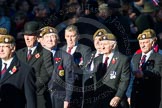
{"x":8,"y":62}
{"x":147,"y":54}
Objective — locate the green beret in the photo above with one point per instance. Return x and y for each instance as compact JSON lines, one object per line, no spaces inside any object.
{"x":3,"y":31}
{"x":108,"y":36}
{"x":99,"y":32}
{"x":7,"y":39}
{"x":146,"y":34}
{"x":46,"y":30}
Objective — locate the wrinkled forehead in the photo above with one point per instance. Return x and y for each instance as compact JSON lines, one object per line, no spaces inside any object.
{"x":145,"y":40}
{"x":70,"y":32}
{"x":108,"y":41}
{"x":5,"y":44}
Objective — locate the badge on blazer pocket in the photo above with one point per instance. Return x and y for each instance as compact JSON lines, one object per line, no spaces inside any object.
{"x":61,"y":73}
{"x":112,"y":75}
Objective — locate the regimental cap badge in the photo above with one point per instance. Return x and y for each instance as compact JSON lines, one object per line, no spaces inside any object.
{"x":46,"y":30}
{"x":108,"y":36}
{"x":99,"y":32}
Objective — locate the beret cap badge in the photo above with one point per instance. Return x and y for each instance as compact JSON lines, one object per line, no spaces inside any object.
{"x":143,"y":36}
{"x":104,"y":38}
{"x":6,"y":40}
{"x":100,"y":33}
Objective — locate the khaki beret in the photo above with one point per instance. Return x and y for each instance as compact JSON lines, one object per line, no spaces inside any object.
{"x":99,"y":32}
{"x":146,"y":34}
{"x":46,"y":30}
{"x":3,"y":31}
{"x":7,"y":39}
{"x":108,"y":36}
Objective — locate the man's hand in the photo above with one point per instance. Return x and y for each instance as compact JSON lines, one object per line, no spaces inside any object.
{"x":115,"y":101}
{"x":129,"y":101}
{"x":66,"y":104}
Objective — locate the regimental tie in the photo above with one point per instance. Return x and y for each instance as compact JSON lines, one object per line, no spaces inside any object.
{"x":29,"y":54}
{"x":3,"y":70}
{"x":142,"y":61}
{"x":105,"y":62}
{"x":69,"y":49}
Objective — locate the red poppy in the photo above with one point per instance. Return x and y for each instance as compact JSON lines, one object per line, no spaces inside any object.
{"x":14,"y":69}
{"x":57,"y":59}
{"x":37,"y":55}
{"x":113,"y":61}
{"x":60,"y":67}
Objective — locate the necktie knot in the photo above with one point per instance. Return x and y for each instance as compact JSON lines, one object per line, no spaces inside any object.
{"x":4,"y":69}
{"x":29,"y":54}
{"x":105,"y":62}
{"x":143,"y":59}
{"x":69,"y":49}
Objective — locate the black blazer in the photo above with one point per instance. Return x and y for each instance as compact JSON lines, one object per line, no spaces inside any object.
{"x":37,"y":62}
{"x":17,"y":90}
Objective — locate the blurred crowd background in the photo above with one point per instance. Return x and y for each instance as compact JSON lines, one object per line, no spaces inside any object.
{"x":124,"y":18}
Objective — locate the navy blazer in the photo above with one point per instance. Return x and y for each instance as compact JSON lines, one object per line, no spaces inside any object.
{"x":63,"y":74}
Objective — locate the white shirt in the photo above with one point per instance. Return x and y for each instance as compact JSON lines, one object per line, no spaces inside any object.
{"x":72,"y":50}
{"x":147,"y":55}
{"x":109,"y":60}
{"x":103,"y":60}
{"x":32,"y":49}
{"x":8,"y":62}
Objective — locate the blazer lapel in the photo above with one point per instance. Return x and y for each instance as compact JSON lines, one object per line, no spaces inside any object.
{"x":9,"y":72}
{"x":152,"y":56}
{"x":64,"y":47}
{"x":113,"y":64}
{"x":37,"y":53}
{"x":24,"y":54}
{"x":136,"y":62}
{"x":97,"y":62}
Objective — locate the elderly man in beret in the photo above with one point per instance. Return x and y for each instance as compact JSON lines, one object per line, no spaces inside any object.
{"x":61,"y":82}
{"x":17,"y":79}
{"x":144,"y":87}
{"x":33,"y":55}
{"x":110,"y":74}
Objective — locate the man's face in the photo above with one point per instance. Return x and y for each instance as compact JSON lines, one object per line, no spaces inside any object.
{"x":146,"y":45}
{"x":30,"y":40}
{"x":107,"y":46}
{"x":71,"y":38}
{"x":50,"y":40}
{"x":6,"y":51}
{"x":97,"y":44}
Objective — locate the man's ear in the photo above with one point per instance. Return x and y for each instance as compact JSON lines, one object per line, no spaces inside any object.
{"x":114,"y":45}
{"x":13,"y":49}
